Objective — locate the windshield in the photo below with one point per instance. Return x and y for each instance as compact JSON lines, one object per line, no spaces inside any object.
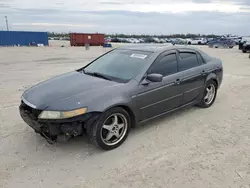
{"x":120,"y":65}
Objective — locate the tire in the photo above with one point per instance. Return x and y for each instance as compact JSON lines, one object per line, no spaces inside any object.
{"x":96,"y":130}
{"x":244,"y":51}
{"x":189,"y":43}
{"x":203,"y":103}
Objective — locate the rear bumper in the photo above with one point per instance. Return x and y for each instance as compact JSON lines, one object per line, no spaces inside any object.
{"x":220,"y":78}
{"x":52,"y":129}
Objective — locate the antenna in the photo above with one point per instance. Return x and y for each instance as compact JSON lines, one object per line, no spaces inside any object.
{"x":7,"y":25}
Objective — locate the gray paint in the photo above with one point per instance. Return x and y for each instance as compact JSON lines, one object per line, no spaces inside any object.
{"x":76,"y":90}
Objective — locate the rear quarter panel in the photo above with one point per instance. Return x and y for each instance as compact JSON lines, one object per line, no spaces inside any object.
{"x":215,"y":70}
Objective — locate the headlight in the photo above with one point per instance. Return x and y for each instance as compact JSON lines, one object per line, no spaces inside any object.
{"x":63,"y":114}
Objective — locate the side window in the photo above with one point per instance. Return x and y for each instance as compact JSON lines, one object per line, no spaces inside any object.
{"x":200,"y":59}
{"x":188,"y":60}
{"x":166,"y":66}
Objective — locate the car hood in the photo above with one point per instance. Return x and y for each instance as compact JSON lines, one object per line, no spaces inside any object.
{"x":64,"y":87}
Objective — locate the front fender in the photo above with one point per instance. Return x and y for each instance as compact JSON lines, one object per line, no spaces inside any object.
{"x":104,"y":105}
{"x":95,"y":103}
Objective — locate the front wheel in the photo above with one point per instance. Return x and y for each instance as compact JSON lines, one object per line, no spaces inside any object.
{"x":209,"y":94}
{"x":111,"y":129}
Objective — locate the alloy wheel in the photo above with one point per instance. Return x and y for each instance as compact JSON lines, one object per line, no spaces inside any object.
{"x":114,"y":129}
{"x":210,"y":94}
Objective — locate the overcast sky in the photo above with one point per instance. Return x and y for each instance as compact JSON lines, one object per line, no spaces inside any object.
{"x":128,"y":16}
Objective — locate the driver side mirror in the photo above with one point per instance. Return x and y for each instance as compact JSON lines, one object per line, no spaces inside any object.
{"x":154,"y":77}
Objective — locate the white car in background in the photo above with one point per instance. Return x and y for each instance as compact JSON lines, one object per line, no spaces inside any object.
{"x":133,"y":40}
{"x":156,"y":40}
{"x":196,"y":41}
{"x":162,"y":41}
{"x":179,"y":41}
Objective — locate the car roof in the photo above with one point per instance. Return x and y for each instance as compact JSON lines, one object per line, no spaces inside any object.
{"x":155,"y":48}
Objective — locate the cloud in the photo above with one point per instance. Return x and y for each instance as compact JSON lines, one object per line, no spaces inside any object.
{"x":140,"y":23}
{"x":53,"y":25}
{"x":243,"y":2}
{"x":133,"y":16}
{"x":112,"y":3}
{"x":4,"y":5}
{"x":202,"y":1}
{"x":136,"y":5}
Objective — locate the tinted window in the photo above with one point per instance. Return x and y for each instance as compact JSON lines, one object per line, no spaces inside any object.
{"x":166,"y":66}
{"x":120,"y":64}
{"x":200,"y":59}
{"x":206,"y":57}
{"x":188,"y":60}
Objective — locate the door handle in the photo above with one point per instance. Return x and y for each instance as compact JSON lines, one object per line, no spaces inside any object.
{"x":177,"y":82}
{"x":204,"y":72}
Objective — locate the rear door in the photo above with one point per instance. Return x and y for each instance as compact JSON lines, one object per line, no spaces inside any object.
{"x":192,"y":75}
{"x":156,"y":98}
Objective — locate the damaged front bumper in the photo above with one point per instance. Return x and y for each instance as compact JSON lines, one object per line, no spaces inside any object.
{"x":53,"y":130}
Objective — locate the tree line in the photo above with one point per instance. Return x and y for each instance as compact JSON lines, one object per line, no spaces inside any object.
{"x":162,"y":36}
{"x":189,"y":35}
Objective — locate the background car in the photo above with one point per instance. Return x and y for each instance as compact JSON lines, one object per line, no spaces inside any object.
{"x":244,"y":44}
{"x":179,"y":41}
{"x":243,"y":41}
{"x":246,"y":47}
{"x":221,"y":43}
{"x":197,"y":41}
{"x":123,"y":88}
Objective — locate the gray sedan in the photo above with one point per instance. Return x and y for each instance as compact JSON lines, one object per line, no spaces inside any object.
{"x":119,"y":90}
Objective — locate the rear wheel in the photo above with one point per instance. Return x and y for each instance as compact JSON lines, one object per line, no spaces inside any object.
{"x":209,"y":94}
{"x":225,"y":46}
{"x":111,"y":129}
{"x":244,"y":51}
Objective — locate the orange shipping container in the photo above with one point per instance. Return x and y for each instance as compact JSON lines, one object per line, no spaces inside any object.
{"x":80,"y":39}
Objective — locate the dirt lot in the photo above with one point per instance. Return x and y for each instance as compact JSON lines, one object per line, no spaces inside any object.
{"x":190,"y":148}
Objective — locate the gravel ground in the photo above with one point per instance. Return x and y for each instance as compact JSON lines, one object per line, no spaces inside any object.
{"x":189,"y":148}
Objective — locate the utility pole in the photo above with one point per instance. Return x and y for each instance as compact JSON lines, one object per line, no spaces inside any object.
{"x":7,"y":25}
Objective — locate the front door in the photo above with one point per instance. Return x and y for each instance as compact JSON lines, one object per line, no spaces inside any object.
{"x":155,"y":98}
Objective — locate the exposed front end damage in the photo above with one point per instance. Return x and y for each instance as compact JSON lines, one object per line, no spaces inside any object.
{"x":55,"y":130}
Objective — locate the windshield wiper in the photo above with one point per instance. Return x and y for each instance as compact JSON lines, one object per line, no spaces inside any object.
{"x":97,"y":74}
